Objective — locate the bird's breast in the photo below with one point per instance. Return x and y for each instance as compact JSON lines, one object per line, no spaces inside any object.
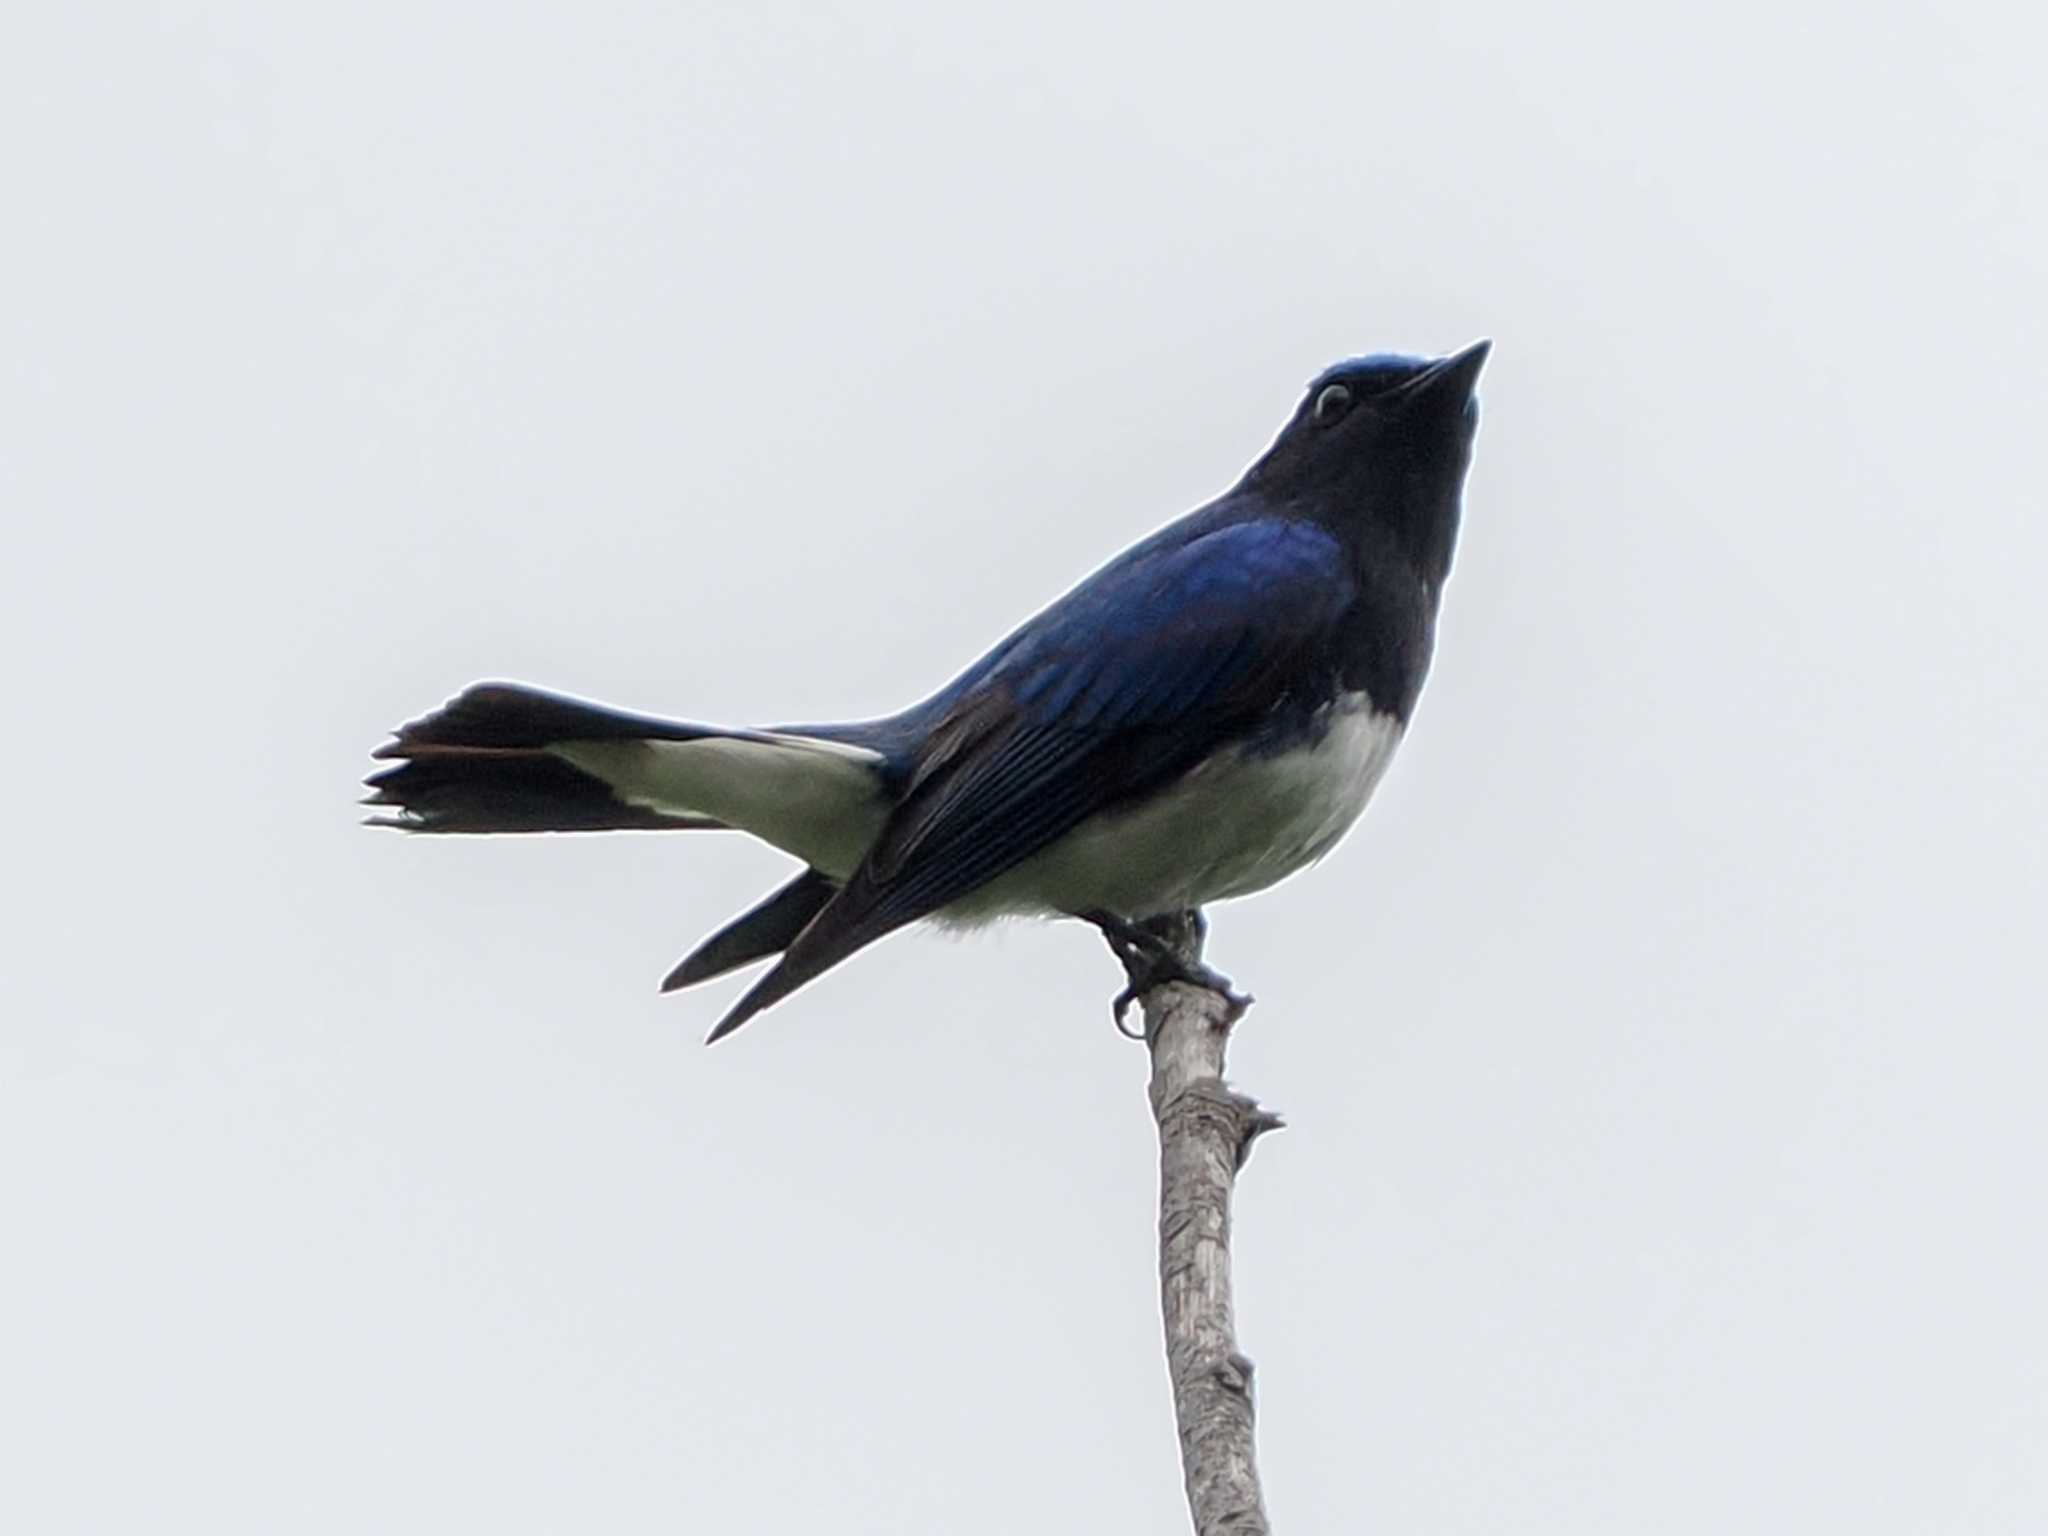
{"x":1244,"y":818}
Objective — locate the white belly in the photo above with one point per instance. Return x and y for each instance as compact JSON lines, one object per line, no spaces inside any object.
{"x":1234,"y":824}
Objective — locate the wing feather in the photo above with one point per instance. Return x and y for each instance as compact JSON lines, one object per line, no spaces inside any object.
{"x":1122,"y":686}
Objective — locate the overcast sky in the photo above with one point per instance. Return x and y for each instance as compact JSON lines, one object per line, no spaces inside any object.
{"x":1664,"y":1054}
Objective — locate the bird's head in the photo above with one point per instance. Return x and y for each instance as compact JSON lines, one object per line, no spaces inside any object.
{"x":1382,"y":443}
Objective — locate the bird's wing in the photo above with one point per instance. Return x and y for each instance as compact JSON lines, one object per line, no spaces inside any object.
{"x":1121,"y":686}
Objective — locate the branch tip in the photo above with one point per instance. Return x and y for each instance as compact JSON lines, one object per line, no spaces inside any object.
{"x":1256,"y":1121}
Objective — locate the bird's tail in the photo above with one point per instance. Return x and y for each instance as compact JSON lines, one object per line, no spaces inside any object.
{"x":502,"y":757}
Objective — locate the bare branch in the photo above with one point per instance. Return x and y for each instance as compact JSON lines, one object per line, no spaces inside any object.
{"x":1206,"y":1131}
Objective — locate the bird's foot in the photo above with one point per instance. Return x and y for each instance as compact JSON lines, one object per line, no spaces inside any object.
{"x":1151,"y":954}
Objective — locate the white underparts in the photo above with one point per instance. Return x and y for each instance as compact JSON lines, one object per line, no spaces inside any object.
{"x":1232,"y":825}
{"x":1235,"y":823}
{"x":816,"y":799}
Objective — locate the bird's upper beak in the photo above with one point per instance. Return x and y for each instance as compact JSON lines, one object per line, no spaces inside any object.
{"x":1454,"y":377}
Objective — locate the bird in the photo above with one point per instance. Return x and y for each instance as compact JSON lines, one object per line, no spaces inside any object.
{"x":1205,"y":715}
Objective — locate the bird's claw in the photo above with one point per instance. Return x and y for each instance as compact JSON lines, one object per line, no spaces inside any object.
{"x":1121,"y":1005}
{"x":1150,"y":959}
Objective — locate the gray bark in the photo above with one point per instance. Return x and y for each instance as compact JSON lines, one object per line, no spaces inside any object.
{"x":1206,"y":1131}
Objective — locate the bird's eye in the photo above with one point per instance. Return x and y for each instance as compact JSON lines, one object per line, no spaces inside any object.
{"x":1331,"y":404}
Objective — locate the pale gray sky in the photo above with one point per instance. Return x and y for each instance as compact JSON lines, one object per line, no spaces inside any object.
{"x":1664,"y":1054}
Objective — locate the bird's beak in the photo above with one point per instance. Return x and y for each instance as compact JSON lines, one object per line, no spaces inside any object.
{"x":1453,"y":378}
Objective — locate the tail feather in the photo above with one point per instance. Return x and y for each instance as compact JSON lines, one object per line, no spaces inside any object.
{"x":491,"y":760}
{"x":514,"y":715}
{"x":500,"y":757}
{"x":499,"y":789}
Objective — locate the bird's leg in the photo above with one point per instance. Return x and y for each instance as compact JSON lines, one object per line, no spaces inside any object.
{"x":1151,"y":953}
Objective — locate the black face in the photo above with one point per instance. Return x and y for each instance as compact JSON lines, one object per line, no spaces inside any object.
{"x":1381,"y":441}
